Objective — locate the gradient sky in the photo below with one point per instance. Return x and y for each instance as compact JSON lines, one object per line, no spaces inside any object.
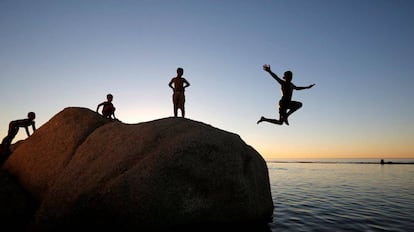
{"x":56,"y":54}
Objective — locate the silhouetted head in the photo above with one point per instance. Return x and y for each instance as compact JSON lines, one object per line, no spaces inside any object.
{"x":180,"y":71}
{"x":288,"y":76}
{"x":31,"y":115}
{"x":109,"y":97}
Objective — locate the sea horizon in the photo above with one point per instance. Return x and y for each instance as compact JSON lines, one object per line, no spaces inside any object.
{"x":342,"y":160}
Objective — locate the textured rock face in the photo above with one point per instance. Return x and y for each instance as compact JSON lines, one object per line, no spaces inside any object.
{"x":86,"y":170}
{"x":39,"y":160}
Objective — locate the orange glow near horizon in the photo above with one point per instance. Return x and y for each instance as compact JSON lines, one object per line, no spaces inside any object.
{"x":272,"y":153}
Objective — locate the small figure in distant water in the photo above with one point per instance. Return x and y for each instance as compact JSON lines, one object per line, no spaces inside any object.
{"x":108,"y":110}
{"x":178,"y":85}
{"x":14,"y":128}
{"x":285,"y":102}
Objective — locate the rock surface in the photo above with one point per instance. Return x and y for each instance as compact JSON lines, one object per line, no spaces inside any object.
{"x":16,"y":205}
{"x":85,"y":170}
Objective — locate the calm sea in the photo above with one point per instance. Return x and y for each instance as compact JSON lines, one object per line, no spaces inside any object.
{"x":342,"y":195}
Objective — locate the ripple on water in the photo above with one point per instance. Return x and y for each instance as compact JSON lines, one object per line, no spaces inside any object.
{"x":342,"y":197}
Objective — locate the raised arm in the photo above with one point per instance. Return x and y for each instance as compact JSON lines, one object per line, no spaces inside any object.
{"x":300,"y":88}
{"x":266,"y":67}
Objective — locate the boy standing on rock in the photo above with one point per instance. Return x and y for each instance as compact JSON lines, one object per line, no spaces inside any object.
{"x":178,"y":85}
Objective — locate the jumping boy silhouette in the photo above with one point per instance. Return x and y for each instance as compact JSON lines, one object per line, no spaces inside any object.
{"x":108,"y":109}
{"x":178,"y":85}
{"x":285,"y":102}
{"x":14,"y":128}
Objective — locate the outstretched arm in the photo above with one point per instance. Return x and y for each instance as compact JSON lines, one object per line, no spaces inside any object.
{"x":306,"y":87}
{"x":266,"y":67}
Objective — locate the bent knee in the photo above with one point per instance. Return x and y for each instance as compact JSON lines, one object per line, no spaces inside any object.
{"x":297,"y":105}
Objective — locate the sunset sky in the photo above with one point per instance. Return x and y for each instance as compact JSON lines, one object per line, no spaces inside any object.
{"x":57,"y":54}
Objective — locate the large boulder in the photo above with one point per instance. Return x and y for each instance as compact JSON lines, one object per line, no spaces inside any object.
{"x":44,"y":155}
{"x":16,"y":205}
{"x":171,"y":172}
{"x":5,"y":152}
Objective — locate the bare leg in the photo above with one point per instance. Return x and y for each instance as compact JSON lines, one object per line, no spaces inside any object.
{"x":175,"y":111}
{"x":283,"y":116}
{"x":8,"y":139}
{"x":270,"y":120}
{"x":294,"y":106}
{"x":285,"y":119}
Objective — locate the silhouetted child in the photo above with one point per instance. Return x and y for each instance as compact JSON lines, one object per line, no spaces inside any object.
{"x":285,"y":102}
{"x":178,"y":85}
{"x":108,"y":110}
{"x":14,"y":128}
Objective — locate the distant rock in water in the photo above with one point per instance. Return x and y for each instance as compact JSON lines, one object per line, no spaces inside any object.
{"x":90,"y":172}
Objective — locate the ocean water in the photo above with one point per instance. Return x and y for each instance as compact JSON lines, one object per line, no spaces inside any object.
{"x":342,"y":195}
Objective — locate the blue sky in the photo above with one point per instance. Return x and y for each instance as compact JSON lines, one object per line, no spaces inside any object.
{"x":56,"y":54}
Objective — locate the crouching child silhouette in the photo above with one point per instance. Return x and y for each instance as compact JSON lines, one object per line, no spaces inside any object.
{"x":108,"y":109}
{"x":14,"y":127}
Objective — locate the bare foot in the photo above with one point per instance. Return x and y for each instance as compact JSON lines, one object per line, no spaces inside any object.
{"x":260,"y":120}
{"x":286,"y":120}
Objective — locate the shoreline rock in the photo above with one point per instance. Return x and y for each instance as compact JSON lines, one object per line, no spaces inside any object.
{"x":85,"y":170}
